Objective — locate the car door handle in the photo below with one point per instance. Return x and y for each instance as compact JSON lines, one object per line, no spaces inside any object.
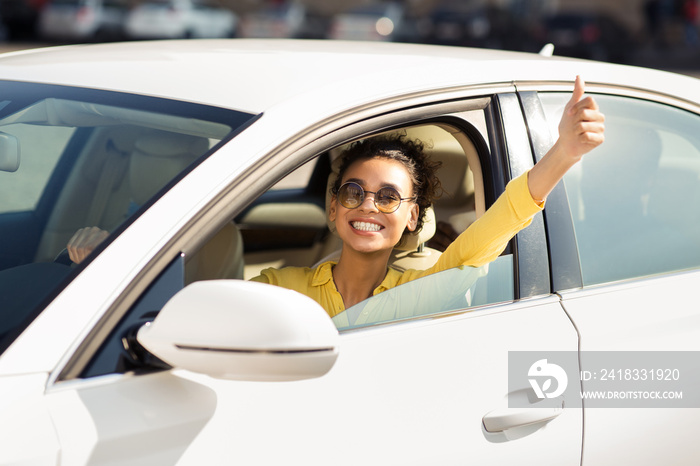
{"x":502,"y":419}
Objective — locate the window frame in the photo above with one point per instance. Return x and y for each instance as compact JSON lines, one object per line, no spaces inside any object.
{"x":530,"y":247}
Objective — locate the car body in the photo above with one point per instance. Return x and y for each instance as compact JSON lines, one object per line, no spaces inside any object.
{"x":208,"y":161}
{"x":83,"y":20}
{"x":177,"y":19}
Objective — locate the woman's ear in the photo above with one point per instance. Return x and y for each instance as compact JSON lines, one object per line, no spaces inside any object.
{"x":413,"y":219}
{"x":332,"y":209}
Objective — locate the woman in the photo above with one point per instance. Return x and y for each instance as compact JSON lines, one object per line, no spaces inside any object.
{"x":382,"y":190}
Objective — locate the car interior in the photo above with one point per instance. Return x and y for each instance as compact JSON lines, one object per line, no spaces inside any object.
{"x":120,"y":160}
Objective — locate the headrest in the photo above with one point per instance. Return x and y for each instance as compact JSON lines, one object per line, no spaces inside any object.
{"x":159,"y":157}
{"x":442,"y":146}
{"x":458,"y":188}
{"x":410,"y":241}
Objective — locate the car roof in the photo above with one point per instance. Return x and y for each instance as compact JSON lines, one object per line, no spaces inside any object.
{"x":255,"y":75}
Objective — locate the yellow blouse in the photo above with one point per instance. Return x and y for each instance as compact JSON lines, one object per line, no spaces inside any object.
{"x":481,"y":243}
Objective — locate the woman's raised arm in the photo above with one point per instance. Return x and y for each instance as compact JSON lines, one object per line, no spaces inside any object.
{"x":581,"y":130}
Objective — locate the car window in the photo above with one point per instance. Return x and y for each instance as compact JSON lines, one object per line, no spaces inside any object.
{"x":454,"y":289}
{"x":634,"y":199}
{"x":41,"y":149}
{"x":73,"y":158}
{"x":299,"y":179}
{"x":286,"y":227}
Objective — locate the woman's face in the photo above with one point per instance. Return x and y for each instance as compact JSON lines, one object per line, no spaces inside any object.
{"x":365,"y":229}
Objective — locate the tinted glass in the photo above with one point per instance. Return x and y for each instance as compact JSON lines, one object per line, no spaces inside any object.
{"x":71,"y":158}
{"x":451,"y":290}
{"x":635,"y":199}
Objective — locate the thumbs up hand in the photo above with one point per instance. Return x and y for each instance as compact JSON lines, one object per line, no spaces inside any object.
{"x":581,"y":128}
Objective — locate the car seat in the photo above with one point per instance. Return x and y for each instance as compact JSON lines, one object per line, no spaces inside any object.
{"x":120,"y":171}
{"x":156,"y":159}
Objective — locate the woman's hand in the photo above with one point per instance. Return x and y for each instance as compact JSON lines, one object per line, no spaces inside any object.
{"x":581,"y":130}
{"x":83,"y":242}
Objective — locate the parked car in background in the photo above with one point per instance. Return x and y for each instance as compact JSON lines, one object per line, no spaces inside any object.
{"x":83,"y":20}
{"x":20,"y":18}
{"x":177,"y":19}
{"x":4,"y":31}
{"x":587,"y":35}
{"x":375,"y":21}
{"x":457,"y":23}
{"x":467,"y":25}
{"x":289,"y":20}
{"x":209,"y":160}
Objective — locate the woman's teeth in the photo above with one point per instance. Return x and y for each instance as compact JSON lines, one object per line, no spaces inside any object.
{"x":366,"y":226}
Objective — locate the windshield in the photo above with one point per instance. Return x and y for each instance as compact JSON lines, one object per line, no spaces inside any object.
{"x":72,"y":158}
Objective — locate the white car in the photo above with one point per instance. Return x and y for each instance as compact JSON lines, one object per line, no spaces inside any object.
{"x":208,"y":161}
{"x":178,"y":19}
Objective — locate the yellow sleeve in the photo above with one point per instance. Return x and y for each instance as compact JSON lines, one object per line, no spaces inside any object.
{"x":262,"y":278}
{"x":486,"y":238}
{"x":293,"y":278}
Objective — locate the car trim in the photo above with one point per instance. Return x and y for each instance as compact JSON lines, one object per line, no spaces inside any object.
{"x":612,"y":89}
{"x":529,"y":245}
{"x":253,"y":351}
{"x":625,"y":284}
{"x":560,"y":239}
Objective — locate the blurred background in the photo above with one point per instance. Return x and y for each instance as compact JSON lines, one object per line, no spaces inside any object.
{"x":656,"y":33}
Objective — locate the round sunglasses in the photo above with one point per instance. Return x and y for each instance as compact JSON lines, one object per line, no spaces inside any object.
{"x":387,"y":200}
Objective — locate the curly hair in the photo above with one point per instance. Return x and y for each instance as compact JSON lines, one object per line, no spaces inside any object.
{"x":410,"y":153}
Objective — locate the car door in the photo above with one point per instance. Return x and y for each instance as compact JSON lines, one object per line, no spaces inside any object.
{"x":625,"y":245}
{"x":429,"y":388}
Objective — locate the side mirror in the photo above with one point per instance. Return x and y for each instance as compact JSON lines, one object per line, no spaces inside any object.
{"x":9,"y":153}
{"x":234,"y":329}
